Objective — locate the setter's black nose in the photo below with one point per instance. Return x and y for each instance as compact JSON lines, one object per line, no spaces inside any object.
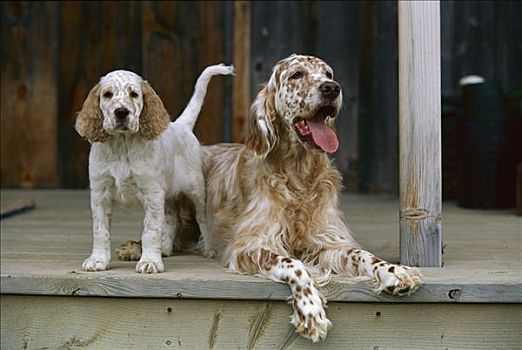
{"x":330,"y":89}
{"x":121,"y":113}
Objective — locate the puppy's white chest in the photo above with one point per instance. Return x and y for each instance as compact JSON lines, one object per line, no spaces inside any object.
{"x":126,"y":190}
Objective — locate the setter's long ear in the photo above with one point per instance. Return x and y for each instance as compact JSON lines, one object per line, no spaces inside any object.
{"x":154,"y":118}
{"x":89,"y":121}
{"x":262,"y":137}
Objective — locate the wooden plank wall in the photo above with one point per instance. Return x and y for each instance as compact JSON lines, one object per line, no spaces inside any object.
{"x":326,"y":29}
{"x":29,"y":94}
{"x":337,"y":44}
{"x":179,"y":40}
{"x":483,"y":38}
{"x":378,"y":108}
{"x":480,"y":38}
{"x":87,"y":51}
{"x":241,"y":90}
{"x":170,"y":42}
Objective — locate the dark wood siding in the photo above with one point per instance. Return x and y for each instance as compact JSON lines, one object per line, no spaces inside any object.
{"x":54,"y":52}
{"x":29,"y":94}
{"x":94,"y":38}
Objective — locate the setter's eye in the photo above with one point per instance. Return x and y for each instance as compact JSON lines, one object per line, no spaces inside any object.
{"x":134,"y":94}
{"x":296,"y":75}
{"x":329,"y":75}
{"x":107,"y":94}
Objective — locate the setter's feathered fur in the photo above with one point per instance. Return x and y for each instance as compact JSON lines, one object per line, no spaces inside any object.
{"x":273,"y":203}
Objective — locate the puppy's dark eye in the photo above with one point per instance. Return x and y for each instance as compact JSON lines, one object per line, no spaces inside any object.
{"x":134,"y":94}
{"x":296,"y":75}
{"x":107,"y":94}
{"x":329,"y":75}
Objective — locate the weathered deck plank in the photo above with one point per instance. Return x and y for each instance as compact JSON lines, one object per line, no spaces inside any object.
{"x":42,"y":251}
{"x":119,"y":323}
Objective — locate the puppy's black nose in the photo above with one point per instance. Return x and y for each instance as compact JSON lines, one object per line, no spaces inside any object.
{"x":121,"y":113}
{"x":330,"y":89}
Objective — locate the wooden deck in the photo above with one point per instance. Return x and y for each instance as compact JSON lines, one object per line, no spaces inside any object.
{"x":42,"y":251}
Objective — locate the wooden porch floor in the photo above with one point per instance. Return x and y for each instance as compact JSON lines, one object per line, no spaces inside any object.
{"x":42,"y":251}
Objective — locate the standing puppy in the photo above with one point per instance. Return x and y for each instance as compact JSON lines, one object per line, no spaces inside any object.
{"x":273,"y":203}
{"x":138,"y":155}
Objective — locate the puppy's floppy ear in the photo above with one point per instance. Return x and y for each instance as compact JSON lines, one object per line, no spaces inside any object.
{"x":154,"y":118}
{"x":89,"y":121}
{"x":262,"y":137}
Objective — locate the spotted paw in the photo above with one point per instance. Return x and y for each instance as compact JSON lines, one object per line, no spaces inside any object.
{"x":309,"y":318}
{"x":95,"y":263}
{"x":129,"y":251}
{"x":149,"y":265}
{"x":398,"y":280}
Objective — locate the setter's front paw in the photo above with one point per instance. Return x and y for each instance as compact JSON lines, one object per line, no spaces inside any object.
{"x":309,"y":317}
{"x":398,"y":279}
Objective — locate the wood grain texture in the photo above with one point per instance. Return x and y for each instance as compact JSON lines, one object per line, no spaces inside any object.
{"x":420,"y":133}
{"x":29,"y":95}
{"x":179,"y":40}
{"x":9,"y":209}
{"x":279,"y":29}
{"x":378,"y":112}
{"x":168,"y":44}
{"x":480,"y":38}
{"x":326,"y":29}
{"x":180,"y":283}
{"x":211,"y":45}
{"x":87,"y":51}
{"x":335,"y":26}
{"x":241,"y":56}
{"x":173,"y":42}
{"x":65,"y":322}
{"x":42,"y":251}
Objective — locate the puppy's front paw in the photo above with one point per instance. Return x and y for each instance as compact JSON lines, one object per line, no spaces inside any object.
{"x":95,"y":263}
{"x":150,"y":265}
{"x":399,"y":280}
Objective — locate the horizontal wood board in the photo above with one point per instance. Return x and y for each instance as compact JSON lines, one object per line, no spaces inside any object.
{"x":42,"y":251}
{"x":31,"y":322}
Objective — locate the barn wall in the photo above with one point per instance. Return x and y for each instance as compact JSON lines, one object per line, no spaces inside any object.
{"x":52,"y":53}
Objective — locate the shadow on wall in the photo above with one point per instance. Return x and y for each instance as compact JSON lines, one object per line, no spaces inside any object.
{"x":481,"y":144}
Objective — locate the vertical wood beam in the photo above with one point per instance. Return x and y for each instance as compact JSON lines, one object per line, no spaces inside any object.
{"x":420,"y":133}
{"x":241,"y":60}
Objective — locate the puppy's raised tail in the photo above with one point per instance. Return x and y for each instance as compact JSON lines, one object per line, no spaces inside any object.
{"x":191,"y":112}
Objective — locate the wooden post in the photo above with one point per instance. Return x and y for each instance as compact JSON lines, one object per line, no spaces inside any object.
{"x":420,"y":133}
{"x":241,"y":57}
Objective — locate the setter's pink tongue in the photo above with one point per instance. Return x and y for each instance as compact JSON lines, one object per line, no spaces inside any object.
{"x":323,"y":136}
